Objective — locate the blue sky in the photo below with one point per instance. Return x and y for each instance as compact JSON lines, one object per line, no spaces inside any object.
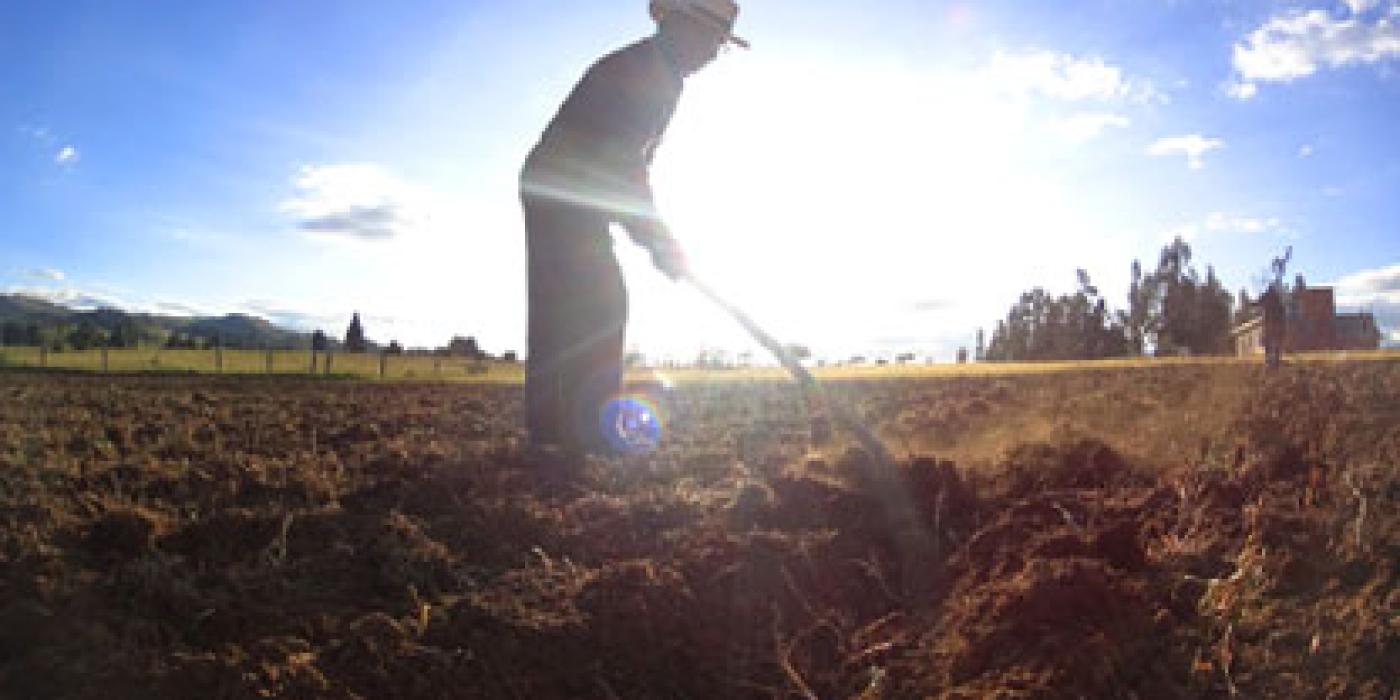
{"x":873,"y":177}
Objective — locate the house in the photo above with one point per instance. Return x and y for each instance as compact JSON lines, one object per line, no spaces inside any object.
{"x":1313,"y":324}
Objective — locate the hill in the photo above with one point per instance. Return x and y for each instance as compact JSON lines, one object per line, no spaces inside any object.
{"x":28,"y":320}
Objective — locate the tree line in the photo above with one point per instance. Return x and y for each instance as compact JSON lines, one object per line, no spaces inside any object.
{"x":112,"y":328}
{"x":1170,"y":310}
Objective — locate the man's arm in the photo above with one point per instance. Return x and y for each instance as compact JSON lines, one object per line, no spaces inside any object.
{"x":609,"y":127}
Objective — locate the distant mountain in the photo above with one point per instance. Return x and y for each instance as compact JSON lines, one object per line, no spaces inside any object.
{"x":23,"y":315}
{"x":18,"y":307}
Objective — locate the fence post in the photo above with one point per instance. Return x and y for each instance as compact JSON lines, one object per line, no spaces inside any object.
{"x":330,"y":355}
{"x":43,"y":355}
{"x":313,"y":360}
{"x":218,"y":358}
{"x":383,"y":363}
{"x":267,"y":361}
{"x":104,"y":358}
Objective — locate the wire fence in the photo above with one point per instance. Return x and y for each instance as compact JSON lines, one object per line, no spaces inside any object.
{"x":464,"y":369}
{"x":270,"y":362}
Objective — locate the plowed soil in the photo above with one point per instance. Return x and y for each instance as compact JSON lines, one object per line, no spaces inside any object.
{"x":1148,"y":533}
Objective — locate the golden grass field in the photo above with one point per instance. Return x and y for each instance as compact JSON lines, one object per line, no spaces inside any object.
{"x":419,"y":367}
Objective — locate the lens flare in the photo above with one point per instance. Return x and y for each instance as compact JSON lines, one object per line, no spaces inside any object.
{"x":632,"y":424}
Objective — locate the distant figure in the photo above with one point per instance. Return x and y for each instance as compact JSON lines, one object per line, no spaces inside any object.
{"x":590,"y":170}
{"x":1275,"y":325}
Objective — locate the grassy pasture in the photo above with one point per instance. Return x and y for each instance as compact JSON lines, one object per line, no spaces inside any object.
{"x":457,"y":369}
{"x":286,"y":362}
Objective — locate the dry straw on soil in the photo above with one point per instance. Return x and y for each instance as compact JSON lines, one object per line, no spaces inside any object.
{"x":1178,"y":532}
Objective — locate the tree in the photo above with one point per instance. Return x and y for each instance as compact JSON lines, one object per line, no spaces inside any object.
{"x":1194,"y":313}
{"x":981,"y":345}
{"x":962,"y":356}
{"x":799,"y":352}
{"x":1069,"y":327}
{"x":1213,"y":314}
{"x":87,"y":335}
{"x":320,"y":342}
{"x":125,"y":334}
{"x":1142,"y":318}
{"x":355,"y":335}
{"x":464,"y":347}
{"x":1242,"y":307}
{"x":394,"y":348}
{"x":17,"y":333}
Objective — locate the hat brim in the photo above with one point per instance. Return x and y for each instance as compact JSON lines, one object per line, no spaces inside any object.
{"x":719,"y":23}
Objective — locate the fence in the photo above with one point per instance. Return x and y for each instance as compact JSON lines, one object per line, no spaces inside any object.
{"x":269,"y":362}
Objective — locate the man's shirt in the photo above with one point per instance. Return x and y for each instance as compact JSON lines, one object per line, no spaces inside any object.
{"x":596,"y":151}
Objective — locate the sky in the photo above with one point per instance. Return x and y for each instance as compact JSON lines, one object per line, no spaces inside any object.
{"x":871,"y":178}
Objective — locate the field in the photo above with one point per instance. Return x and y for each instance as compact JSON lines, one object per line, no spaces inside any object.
{"x":275,"y":362}
{"x":1176,"y":530}
{"x":156,"y":360}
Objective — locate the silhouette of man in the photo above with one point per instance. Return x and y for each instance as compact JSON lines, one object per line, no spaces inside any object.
{"x":1275,"y":327}
{"x":590,"y":170}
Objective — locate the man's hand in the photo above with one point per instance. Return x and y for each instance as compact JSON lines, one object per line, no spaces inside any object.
{"x":669,"y":257}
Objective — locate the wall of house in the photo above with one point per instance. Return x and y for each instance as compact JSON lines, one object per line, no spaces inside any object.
{"x":1314,"y":324}
{"x":1312,"y":320}
{"x":1250,"y":342}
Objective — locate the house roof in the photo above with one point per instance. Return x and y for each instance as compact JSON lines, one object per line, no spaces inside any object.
{"x":1247,"y":326}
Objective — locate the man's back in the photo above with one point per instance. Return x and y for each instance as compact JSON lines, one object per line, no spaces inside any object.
{"x":596,"y":150}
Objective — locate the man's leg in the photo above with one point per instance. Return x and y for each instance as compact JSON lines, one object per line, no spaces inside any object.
{"x":598,"y":377}
{"x":546,"y":414}
{"x":577,"y":313}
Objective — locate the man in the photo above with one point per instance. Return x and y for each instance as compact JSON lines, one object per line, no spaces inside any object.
{"x":1275,"y":328}
{"x":590,"y":170}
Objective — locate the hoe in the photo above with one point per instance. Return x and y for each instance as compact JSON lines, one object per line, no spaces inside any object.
{"x":811,"y":388}
{"x":882,"y":472}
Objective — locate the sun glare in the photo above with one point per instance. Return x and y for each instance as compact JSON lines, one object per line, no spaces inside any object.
{"x":837,"y":196}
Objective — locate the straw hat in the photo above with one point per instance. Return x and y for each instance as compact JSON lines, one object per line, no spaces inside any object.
{"x":719,"y":14}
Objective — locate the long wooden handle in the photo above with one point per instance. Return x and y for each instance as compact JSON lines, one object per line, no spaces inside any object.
{"x":846,"y":417}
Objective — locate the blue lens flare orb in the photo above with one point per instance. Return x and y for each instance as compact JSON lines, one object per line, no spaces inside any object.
{"x":632,"y":424}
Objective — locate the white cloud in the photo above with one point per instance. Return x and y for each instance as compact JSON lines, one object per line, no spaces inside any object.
{"x":48,"y":142}
{"x":175,"y":308}
{"x":1242,"y":91}
{"x":85,"y":297}
{"x":1298,"y":44}
{"x":379,"y":326}
{"x":1359,"y":7}
{"x":1222,"y":223}
{"x":71,"y":296}
{"x":47,"y":274}
{"x":1381,"y":282}
{"x":1064,"y":77}
{"x":1193,"y":146}
{"x":1376,"y":290}
{"x":1089,"y":125}
{"x":286,"y":315}
{"x":1305,"y":151}
{"x":382,"y":326}
{"x":356,"y":201}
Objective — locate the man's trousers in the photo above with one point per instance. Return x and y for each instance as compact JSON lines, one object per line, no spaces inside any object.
{"x":577,"y":317}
